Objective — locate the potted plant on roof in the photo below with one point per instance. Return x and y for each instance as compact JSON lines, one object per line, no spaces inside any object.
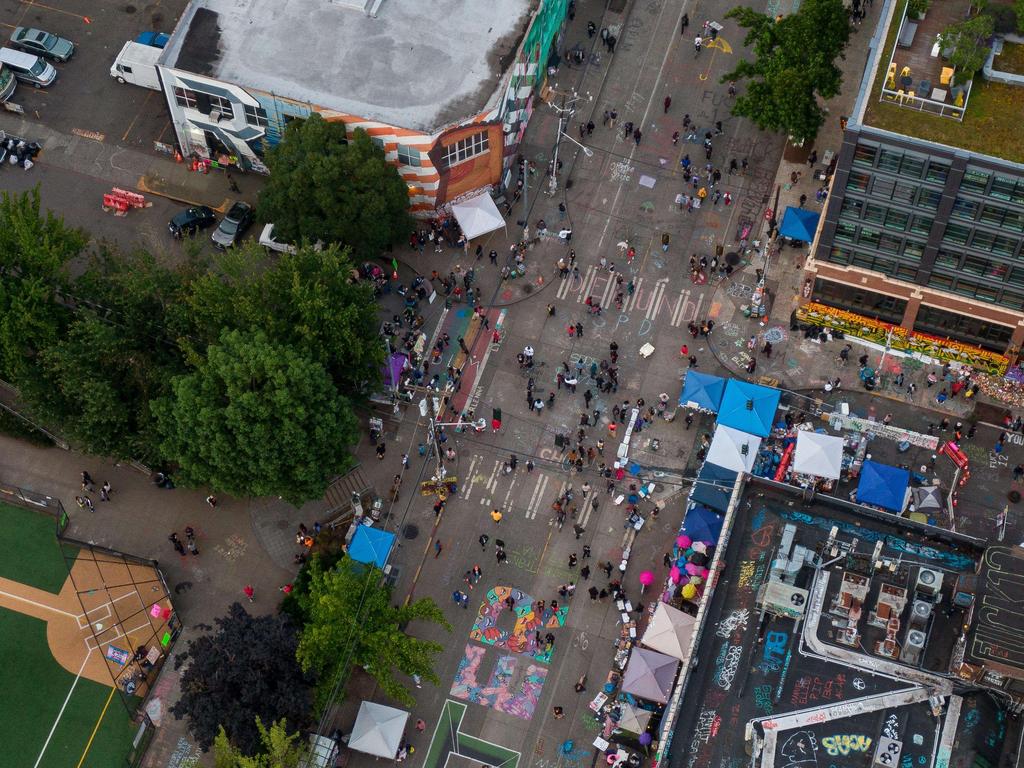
{"x":969,"y":41}
{"x":916,"y":9}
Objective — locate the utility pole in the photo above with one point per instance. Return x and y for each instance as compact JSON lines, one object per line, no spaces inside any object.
{"x":566,"y":107}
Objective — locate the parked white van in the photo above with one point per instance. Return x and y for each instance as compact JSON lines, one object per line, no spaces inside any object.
{"x":136,"y":64}
{"x":28,"y":68}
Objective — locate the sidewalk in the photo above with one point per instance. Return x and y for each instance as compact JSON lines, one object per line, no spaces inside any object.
{"x":798,"y":363}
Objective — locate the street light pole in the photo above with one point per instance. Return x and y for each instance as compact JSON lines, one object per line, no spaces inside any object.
{"x":553,"y":183}
{"x":586,"y":150}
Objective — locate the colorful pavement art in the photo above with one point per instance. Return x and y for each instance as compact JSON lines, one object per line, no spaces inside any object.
{"x":515,"y":682}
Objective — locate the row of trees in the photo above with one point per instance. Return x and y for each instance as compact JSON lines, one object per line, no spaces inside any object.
{"x":284,"y":669}
{"x":240,"y":373}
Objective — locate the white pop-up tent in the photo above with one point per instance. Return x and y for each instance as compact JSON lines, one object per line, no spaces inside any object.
{"x":670,"y":631}
{"x":378,"y":730}
{"x":818,"y":454}
{"x":478,"y":216}
{"x":733,"y":449}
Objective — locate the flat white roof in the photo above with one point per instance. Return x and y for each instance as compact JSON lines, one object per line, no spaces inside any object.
{"x":420,"y":64}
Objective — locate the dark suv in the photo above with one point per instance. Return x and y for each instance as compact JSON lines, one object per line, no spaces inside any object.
{"x":191,"y":220}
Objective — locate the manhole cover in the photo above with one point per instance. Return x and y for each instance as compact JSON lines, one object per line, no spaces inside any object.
{"x":410,"y":531}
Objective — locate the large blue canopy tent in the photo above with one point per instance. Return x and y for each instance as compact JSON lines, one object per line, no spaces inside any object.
{"x":371,"y":545}
{"x":799,"y":224}
{"x":883,"y":486}
{"x":749,"y":407}
{"x":702,"y":390}
{"x":713,"y":487}
{"x":702,"y":524}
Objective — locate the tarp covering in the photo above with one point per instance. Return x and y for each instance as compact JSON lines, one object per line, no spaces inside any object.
{"x":818,"y":454}
{"x":649,"y":675}
{"x":378,"y":730}
{"x":714,"y":486}
{"x":371,"y":545}
{"x":749,"y":407}
{"x":393,"y":368}
{"x":883,"y":486}
{"x":478,"y":216}
{"x":733,"y":449}
{"x":702,"y":524}
{"x":927,"y":497}
{"x":670,"y":631}
{"x":799,"y":224}
{"x":702,"y":390}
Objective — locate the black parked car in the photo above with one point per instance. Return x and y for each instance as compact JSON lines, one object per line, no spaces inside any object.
{"x":191,"y":220}
{"x":233,"y":226}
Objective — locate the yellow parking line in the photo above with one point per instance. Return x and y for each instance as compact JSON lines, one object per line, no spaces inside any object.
{"x":28,"y":3}
{"x":95,"y":729}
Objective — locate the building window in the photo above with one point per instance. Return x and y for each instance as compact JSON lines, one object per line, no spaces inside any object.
{"x":940,"y":281}
{"x":1004,"y":245}
{"x":256,"y":116}
{"x":185,"y":98}
{"x":864,"y":155}
{"x":889,"y":160}
{"x":874,"y":213}
{"x":948,"y":259}
{"x":913,"y":249}
{"x":976,"y":265}
{"x":883,"y":187}
{"x":896,"y":220}
{"x":1016,"y":276}
{"x":922,"y":225}
{"x":912,"y":166}
{"x":929,"y":198}
{"x":839,"y":255}
{"x":852,"y":208}
{"x":983,"y":241}
{"x":906,"y":272}
{"x":904,"y":193}
{"x":886,"y":308}
{"x":974,"y":181}
{"x":965,"y":209}
{"x":869,"y":237}
{"x":408,"y":156}
{"x":1003,"y":188}
{"x":973,"y":330}
{"x":222,"y":105}
{"x":956,"y":234}
{"x":465,"y":149}
{"x":889,"y":244}
{"x":937,"y":172}
{"x":846,"y":233}
{"x":858,"y":181}
{"x":1014,"y":220}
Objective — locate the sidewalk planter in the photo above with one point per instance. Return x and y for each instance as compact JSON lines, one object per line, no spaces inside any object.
{"x":911,"y":342}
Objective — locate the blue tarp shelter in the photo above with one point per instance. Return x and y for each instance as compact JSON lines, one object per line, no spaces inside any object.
{"x":749,"y":407}
{"x":702,"y":390}
{"x":883,"y":486}
{"x":702,"y":524}
{"x":713,"y":487}
{"x":799,"y":224}
{"x":371,"y":545}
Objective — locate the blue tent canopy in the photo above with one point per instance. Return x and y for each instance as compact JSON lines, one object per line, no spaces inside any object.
{"x":702,"y":524}
{"x":713,"y":487}
{"x":799,"y":224}
{"x":883,"y":486}
{"x":749,"y":407}
{"x":371,"y":545}
{"x":703,"y":389}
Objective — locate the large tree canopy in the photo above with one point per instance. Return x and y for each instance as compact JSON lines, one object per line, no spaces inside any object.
{"x":309,"y":300}
{"x":242,"y":673}
{"x":794,"y":67}
{"x":278,"y":749}
{"x":352,"y":622}
{"x":257,"y":418}
{"x":324,"y":187}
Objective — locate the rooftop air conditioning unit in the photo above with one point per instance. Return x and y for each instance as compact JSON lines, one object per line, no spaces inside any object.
{"x":929,"y":582}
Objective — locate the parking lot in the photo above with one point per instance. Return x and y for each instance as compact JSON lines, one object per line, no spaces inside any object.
{"x":85,"y":100}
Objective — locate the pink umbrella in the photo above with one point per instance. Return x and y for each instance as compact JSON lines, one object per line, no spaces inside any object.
{"x":704,"y":572}
{"x":646,"y":579}
{"x":675,"y":574}
{"x":683,"y":541}
{"x":692,"y":569}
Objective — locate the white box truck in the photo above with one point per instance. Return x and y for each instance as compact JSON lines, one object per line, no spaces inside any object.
{"x":136,"y":64}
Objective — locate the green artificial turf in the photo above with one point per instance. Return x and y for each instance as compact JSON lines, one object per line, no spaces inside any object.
{"x":31,"y":553}
{"x":34,"y":689}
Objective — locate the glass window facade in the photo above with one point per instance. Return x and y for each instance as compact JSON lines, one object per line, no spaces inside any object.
{"x":936,"y":220}
{"x":856,"y":299}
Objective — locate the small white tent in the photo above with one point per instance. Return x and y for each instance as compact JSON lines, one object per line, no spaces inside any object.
{"x":733,"y":449}
{"x":670,"y":631}
{"x":818,"y":454}
{"x":478,"y":216}
{"x":378,"y":730}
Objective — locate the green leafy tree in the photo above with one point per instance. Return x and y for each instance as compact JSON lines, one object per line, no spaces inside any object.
{"x":278,"y":749}
{"x":969,"y":41}
{"x":1018,"y":8}
{"x":352,"y":623}
{"x":239,"y":675}
{"x":257,"y":418}
{"x":310,"y":300}
{"x":794,"y":69}
{"x":35,"y":249}
{"x":325,"y":187}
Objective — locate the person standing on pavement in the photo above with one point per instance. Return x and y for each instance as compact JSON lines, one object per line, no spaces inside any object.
{"x":249,"y":592}
{"x":684,"y":23}
{"x":668,"y":103}
{"x":212,"y":501}
{"x":697,"y":42}
{"x":176,"y":543}
{"x":438,"y":547}
{"x":105,"y":491}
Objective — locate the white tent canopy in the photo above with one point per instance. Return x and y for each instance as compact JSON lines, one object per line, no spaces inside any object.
{"x":818,"y":454}
{"x":670,"y":631}
{"x":478,"y":216}
{"x":733,"y":449}
{"x":378,"y":730}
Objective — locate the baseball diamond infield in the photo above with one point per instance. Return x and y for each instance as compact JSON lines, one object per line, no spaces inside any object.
{"x":63,"y":650}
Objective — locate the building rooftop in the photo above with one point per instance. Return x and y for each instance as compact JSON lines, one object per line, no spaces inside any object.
{"x":988,"y":123}
{"x":420,"y":64}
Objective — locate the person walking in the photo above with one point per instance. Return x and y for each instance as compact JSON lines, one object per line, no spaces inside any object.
{"x":697,"y":42}
{"x":484,"y":538}
{"x":176,"y":543}
{"x":496,"y":516}
{"x":212,"y":501}
{"x":421,"y":725}
{"x":637,"y":135}
{"x":767,"y":349}
{"x":249,"y":592}
{"x":190,"y":538}
{"x":573,"y":560}
{"x":438,"y":547}
{"x":87,"y":484}
{"x":668,"y":103}
{"x":105,"y":491}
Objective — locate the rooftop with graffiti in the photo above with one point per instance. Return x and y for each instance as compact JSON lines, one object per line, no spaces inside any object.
{"x":832,"y":640}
